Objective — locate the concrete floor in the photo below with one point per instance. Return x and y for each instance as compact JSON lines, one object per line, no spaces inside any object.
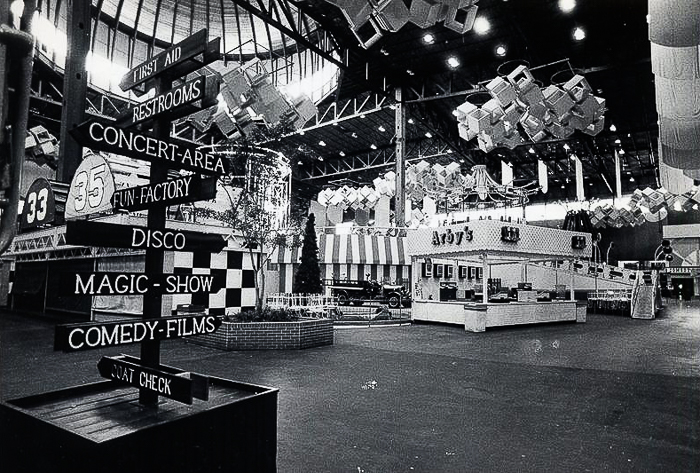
{"x":613,"y":394}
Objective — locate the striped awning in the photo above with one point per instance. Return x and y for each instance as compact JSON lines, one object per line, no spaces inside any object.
{"x":352,"y":249}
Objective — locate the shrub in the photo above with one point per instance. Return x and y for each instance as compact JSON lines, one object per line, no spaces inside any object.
{"x":265,"y":314}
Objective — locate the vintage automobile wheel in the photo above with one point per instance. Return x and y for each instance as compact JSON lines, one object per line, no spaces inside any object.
{"x":343,"y":299}
{"x":394,"y":301}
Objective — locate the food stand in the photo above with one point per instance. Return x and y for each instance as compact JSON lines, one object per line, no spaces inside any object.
{"x":483,"y":260}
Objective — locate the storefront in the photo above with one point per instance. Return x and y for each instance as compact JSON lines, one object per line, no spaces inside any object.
{"x":476,"y":274}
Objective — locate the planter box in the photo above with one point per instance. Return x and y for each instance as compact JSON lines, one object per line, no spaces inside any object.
{"x":269,"y":335}
{"x":102,"y":427}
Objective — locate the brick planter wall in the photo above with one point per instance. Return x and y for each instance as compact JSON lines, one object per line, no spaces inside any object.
{"x":268,"y":335}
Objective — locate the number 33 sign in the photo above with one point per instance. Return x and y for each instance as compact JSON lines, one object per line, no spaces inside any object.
{"x":91,"y":189}
{"x":39,"y":205}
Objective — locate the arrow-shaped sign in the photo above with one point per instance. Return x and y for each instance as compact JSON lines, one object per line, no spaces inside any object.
{"x":174,"y":153}
{"x":162,"y":194}
{"x":85,"y":336}
{"x":123,"y":284}
{"x":168,"y":382}
{"x":90,"y":233}
{"x":176,"y":61}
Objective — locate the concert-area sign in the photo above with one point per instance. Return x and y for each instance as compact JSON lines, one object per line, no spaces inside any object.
{"x":171,"y":192}
{"x":86,"y":336}
{"x":187,"y":56}
{"x":90,"y":233}
{"x":91,"y":188}
{"x":180,"y":101}
{"x":172,"y":152}
{"x":123,"y":284}
{"x":179,"y":385}
{"x":39,"y":205}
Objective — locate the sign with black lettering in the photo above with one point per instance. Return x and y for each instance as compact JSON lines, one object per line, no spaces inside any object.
{"x":89,"y":233}
{"x":75,"y":337}
{"x":181,"y":386}
{"x":123,"y":284}
{"x":39,"y":205}
{"x":163,"y":194}
{"x":187,"y":56}
{"x":173,"y":153}
{"x":177,"y":102}
{"x":91,"y":188}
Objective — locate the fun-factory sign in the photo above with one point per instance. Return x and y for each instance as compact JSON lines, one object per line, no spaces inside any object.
{"x":163,"y":194}
{"x":76,"y":337}
{"x":173,"y":153}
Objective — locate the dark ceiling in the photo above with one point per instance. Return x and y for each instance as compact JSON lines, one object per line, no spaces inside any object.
{"x":614,"y":57}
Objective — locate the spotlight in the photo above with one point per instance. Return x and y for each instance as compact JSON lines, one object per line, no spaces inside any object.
{"x":373,"y":146}
{"x":381,"y":128}
{"x":481,"y":25}
{"x":631,"y":178}
{"x":531,"y":150}
{"x":453,"y":62}
{"x":410,"y":120}
{"x":428,"y":134}
{"x":322,"y":143}
{"x":501,"y":51}
{"x":579,"y":34}
{"x":342,"y":153}
{"x":617,"y":141}
{"x":428,"y":38}
{"x":613,"y":128}
{"x":567,"y":6}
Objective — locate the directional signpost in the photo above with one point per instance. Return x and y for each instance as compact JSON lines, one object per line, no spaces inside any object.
{"x":164,"y":153}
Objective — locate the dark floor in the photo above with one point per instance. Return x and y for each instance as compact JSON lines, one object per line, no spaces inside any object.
{"x":613,"y":394}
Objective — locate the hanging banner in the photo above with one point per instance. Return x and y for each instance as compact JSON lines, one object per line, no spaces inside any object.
{"x":618,"y":176}
{"x":91,"y":188}
{"x":579,"y":179}
{"x":543,"y":176}
{"x":506,"y":173}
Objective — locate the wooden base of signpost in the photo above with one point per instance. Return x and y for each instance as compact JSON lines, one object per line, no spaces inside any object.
{"x":102,"y":427}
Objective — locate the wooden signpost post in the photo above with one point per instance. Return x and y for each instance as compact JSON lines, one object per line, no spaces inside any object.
{"x":164,"y":153}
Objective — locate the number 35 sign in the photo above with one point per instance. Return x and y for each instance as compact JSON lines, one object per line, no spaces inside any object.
{"x":91,"y":188}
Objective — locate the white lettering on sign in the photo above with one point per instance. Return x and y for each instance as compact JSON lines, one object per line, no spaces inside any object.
{"x":154,"y":148}
{"x":173,"y":55}
{"x":122,"y":373}
{"x":146,"y":69}
{"x":174,"y":98}
{"x":146,"y":238}
{"x":154,"y":383}
{"x":449,"y":237}
{"x":176,"y":284}
{"x":102,"y":335}
{"x":139,"y":331}
{"x":110,"y":284}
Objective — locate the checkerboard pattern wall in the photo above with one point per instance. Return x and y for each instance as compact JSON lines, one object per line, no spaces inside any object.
{"x":239,"y":291}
